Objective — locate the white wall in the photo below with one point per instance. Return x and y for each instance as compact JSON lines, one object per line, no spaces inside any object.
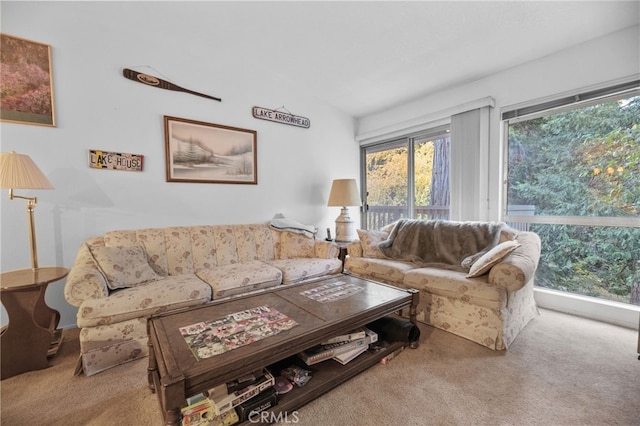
{"x":97,"y":108}
{"x":593,"y":63}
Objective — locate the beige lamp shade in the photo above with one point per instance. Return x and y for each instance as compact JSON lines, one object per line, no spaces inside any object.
{"x":18,"y":171}
{"x":344,"y":192}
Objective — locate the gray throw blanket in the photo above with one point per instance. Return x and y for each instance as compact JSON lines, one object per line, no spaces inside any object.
{"x":440,"y":243}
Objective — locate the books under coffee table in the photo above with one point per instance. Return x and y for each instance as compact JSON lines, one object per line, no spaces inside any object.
{"x":176,"y":374}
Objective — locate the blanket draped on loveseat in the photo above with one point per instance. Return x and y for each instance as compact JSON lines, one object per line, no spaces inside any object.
{"x":438,"y":243}
{"x":475,"y":278}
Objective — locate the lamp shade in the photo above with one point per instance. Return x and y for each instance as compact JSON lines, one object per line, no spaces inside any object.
{"x":344,"y":192}
{"x":18,"y":171}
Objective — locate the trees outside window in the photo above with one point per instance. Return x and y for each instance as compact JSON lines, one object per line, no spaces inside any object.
{"x":578,"y":169}
{"x":407,"y":178}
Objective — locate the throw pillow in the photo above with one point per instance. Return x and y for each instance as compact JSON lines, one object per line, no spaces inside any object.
{"x":490,"y":258}
{"x":293,"y":245}
{"x":123,"y":267}
{"x":370,"y":242}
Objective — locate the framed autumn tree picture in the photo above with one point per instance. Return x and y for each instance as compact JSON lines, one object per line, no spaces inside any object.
{"x":26,"y":82}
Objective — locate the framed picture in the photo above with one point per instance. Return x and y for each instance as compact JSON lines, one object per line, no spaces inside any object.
{"x":26,"y":78}
{"x":209,"y":153}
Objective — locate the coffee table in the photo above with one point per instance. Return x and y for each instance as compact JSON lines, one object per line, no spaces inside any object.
{"x":174,"y":373}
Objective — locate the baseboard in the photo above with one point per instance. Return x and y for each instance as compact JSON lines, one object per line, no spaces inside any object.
{"x":616,"y":313}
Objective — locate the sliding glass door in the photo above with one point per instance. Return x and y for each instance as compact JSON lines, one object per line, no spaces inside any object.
{"x":407,"y":178}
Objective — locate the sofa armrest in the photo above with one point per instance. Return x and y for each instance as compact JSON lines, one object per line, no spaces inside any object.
{"x":519,"y":267}
{"x":85,"y":281}
{"x":354,"y":249}
{"x":326,"y":249}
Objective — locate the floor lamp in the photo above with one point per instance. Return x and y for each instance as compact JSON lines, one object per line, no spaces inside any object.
{"x":344,"y":193}
{"x":18,"y":171}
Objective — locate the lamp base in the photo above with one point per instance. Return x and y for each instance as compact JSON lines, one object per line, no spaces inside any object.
{"x":345,"y":227}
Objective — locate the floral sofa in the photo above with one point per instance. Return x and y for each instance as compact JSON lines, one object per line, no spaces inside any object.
{"x":121,"y":278}
{"x":487,"y":297}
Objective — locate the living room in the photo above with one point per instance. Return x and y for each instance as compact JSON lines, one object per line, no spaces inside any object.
{"x":247,"y":55}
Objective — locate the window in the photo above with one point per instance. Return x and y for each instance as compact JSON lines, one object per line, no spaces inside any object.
{"x":407,"y":178}
{"x":573,"y":177}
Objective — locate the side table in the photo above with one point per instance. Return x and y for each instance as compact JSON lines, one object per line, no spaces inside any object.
{"x":31,"y":335}
{"x":343,"y":252}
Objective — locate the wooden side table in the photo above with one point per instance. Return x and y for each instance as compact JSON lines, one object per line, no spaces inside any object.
{"x":31,"y":335}
{"x":343,"y":252}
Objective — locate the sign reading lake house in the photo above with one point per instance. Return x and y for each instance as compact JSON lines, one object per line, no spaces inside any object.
{"x":281,"y":117}
{"x":115,"y":161}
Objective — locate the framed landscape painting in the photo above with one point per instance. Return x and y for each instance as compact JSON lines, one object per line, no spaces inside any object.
{"x":202,"y":152}
{"x":26,"y":82}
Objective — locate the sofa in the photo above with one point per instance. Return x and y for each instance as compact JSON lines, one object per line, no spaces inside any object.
{"x":475,"y":278}
{"x":121,"y":278}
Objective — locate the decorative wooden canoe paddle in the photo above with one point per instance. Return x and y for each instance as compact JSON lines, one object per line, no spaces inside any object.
{"x":150,"y":80}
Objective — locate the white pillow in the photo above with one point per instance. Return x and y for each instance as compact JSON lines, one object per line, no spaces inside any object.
{"x":123,"y":267}
{"x":490,"y":258}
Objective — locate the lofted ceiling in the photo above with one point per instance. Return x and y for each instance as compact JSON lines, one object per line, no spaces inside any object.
{"x":363,"y":57}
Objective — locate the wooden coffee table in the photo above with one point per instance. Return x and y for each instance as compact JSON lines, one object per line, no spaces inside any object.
{"x":174,"y":373}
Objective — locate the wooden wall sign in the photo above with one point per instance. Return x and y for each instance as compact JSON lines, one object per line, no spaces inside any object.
{"x":115,"y":161}
{"x":281,"y":117}
{"x":150,"y":80}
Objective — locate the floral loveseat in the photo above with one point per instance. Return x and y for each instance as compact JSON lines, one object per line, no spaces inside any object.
{"x":482,"y":291}
{"x":121,"y":278}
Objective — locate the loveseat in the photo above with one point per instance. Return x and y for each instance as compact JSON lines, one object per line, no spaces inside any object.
{"x":475,"y":278}
{"x":121,"y":278}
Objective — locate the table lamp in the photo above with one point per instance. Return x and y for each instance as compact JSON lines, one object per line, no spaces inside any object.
{"x":18,"y":171}
{"x":344,"y":193}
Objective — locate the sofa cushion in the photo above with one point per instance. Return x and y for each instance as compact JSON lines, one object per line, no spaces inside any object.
{"x":386,"y":270}
{"x":486,"y":261}
{"x":294,"y":245}
{"x":240,"y":278}
{"x":370,"y":241}
{"x":144,"y":300}
{"x":456,"y":285}
{"x":123,"y":267}
{"x":294,"y":270}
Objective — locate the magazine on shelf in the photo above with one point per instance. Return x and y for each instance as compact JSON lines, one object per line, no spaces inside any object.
{"x":351,"y":355}
{"x":223,"y":401}
{"x":353,"y":335}
{"x":321,"y":352}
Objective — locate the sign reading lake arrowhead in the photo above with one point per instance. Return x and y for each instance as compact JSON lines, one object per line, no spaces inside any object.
{"x":281,"y":117}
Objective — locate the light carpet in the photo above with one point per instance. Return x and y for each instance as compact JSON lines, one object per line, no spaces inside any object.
{"x":561,"y":370}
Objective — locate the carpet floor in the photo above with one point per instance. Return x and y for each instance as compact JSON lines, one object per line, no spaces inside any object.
{"x":561,"y":370}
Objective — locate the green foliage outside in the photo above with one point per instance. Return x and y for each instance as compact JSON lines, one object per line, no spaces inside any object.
{"x":583,"y":162}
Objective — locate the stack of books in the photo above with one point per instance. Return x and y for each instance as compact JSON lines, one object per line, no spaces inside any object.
{"x":231,"y":402}
{"x":343,"y":348}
